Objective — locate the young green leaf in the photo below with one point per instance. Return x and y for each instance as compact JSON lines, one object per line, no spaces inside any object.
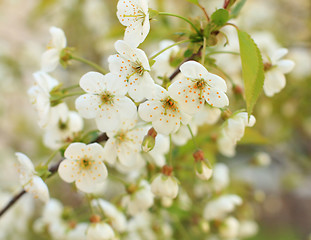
{"x":220,"y":17}
{"x":252,"y":69}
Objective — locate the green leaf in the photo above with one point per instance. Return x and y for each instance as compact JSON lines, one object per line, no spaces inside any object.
{"x":220,"y":17}
{"x":236,"y":10}
{"x":188,"y":53}
{"x":252,"y":69}
{"x":194,"y":1}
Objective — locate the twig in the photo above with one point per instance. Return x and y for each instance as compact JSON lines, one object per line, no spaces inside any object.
{"x":53,"y":169}
{"x":175,"y":73}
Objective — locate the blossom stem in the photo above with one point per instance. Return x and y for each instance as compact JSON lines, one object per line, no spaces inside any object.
{"x":90,"y":63}
{"x":204,"y":50}
{"x":170,"y":154}
{"x":89,"y":198}
{"x":51,"y":157}
{"x":68,"y":95}
{"x":183,"y":18}
{"x":170,"y":46}
{"x":192,"y":136}
{"x":205,"y":13}
{"x":71,"y":87}
{"x":220,"y":52}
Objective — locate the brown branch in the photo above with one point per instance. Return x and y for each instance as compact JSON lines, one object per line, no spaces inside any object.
{"x":193,"y":56}
{"x":53,"y":169}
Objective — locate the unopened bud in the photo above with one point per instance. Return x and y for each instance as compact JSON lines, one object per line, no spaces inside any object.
{"x":149,"y":140}
{"x":203,"y":170}
{"x":95,"y":218}
{"x":167,"y":170}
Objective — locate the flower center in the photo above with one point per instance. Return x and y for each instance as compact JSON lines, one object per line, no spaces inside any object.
{"x":85,"y":163}
{"x":200,"y":84}
{"x":107,"y":98}
{"x":121,"y":137}
{"x":169,"y":104}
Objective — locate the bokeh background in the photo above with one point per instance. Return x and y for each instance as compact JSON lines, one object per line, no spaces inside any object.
{"x":283,"y":187}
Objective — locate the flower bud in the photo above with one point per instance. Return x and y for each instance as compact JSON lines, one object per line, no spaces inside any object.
{"x":149,"y":140}
{"x":229,"y":228}
{"x":100,"y":231}
{"x":165,"y":186}
{"x":203,"y":170}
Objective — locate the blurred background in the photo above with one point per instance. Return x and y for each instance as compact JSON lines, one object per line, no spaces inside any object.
{"x":283,"y":130}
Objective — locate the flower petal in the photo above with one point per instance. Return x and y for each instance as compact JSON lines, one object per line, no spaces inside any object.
{"x":88,"y":105}
{"x":68,"y":170}
{"x":93,"y":82}
{"x":49,"y":60}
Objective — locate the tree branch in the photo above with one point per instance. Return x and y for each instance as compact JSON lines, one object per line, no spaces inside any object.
{"x":53,"y":169}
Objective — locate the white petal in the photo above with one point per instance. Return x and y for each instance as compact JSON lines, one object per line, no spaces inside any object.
{"x":143,"y":59}
{"x":75,"y":122}
{"x":68,"y":170}
{"x":93,"y":82}
{"x":116,"y":84}
{"x":166,"y":124}
{"x":279,"y":54}
{"x":285,"y":66}
{"x":50,"y":60}
{"x":88,"y":105}
{"x":89,"y":179}
{"x":95,"y":151}
{"x":45,"y":81}
{"x":110,"y":151}
{"x":133,"y":35}
{"x":216,"y":98}
{"x":58,"y":38}
{"x":126,"y":108}
{"x":108,"y":119}
{"x":38,"y":188}
{"x":274,"y":82}
{"x":216,"y":82}
{"x":125,"y":50}
{"x":193,"y":69}
{"x":75,"y":151}
{"x":25,"y":162}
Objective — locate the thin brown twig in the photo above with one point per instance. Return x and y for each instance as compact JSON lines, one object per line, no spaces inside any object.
{"x":175,"y":73}
{"x":53,"y":169}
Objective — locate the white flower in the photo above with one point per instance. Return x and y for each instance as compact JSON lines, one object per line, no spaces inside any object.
{"x":248,"y":228}
{"x":117,"y":218}
{"x":165,"y":186}
{"x":163,"y":111}
{"x":78,"y":233}
{"x":30,"y":181}
{"x":140,"y":200}
{"x":220,"y":178}
{"x":51,"y":57}
{"x":105,"y":101}
{"x":100,"y":231}
{"x":68,"y":125}
{"x":274,"y":76}
{"x":205,"y":172}
{"x":199,"y":86}
{"x":40,"y":97}
{"x":229,"y":229}
{"x":83,"y":164}
{"x":233,"y":131}
{"x":220,"y":207}
{"x":135,"y":16}
{"x":131,"y":65}
{"x":207,"y":115}
{"x":140,"y":227}
{"x":124,"y":146}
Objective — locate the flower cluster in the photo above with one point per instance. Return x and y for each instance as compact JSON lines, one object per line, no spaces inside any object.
{"x":143,"y":115}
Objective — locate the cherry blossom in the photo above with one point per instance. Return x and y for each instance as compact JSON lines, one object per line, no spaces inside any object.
{"x":64,"y":131}
{"x":51,"y":57}
{"x":221,"y":206}
{"x":274,"y":76}
{"x":163,"y":111}
{"x":31,"y":182}
{"x":165,"y":186}
{"x":229,"y":229}
{"x":123,"y":146}
{"x":135,"y":16}
{"x":140,"y":200}
{"x":198,"y":86}
{"x":233,"y":131}
{"x":131,"y":65}
{"x":84,"y":165}
{"x":105,"y":101}
{"x":40,"y":97}
{"x":101,"y":231}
